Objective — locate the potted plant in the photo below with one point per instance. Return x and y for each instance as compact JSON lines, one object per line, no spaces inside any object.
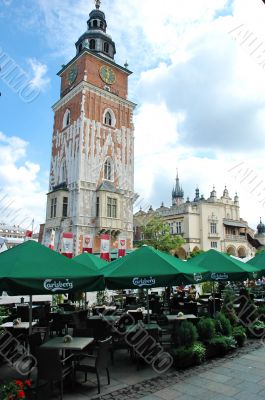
{"x":184,"y":339}
{"x":239,"y":333}
{"x":14,"y":390}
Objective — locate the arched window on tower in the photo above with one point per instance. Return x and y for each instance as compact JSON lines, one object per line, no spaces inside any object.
{"x":106,"y":47}
{"x":108,"y":120}
{"x":66,"y":118}
{"x":108,"y":169}
{"x":92,"y":44}
{"x":101,"y":24}
{"x":95,"y":23}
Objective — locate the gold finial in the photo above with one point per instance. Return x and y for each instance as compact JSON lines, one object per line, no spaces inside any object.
{"x":97,"y":2}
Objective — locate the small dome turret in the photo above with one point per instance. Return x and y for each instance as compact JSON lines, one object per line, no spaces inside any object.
{"x":261,"y":228}
{"x":225,"y":193}
{"x":236,"y":199}
{"x":197,"y":194}
{"x":95,"y":38}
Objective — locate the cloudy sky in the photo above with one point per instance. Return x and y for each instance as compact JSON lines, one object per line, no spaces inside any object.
{"x":199,"y":82}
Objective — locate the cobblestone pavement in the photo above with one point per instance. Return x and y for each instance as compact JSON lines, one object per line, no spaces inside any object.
{"x":238,"y":376}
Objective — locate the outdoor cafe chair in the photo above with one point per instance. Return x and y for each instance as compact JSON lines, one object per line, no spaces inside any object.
{"x":52,"y":369}
{"x":97,"y":363}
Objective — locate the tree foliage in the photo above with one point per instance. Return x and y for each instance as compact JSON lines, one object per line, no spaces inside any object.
{"x":156,"y":233}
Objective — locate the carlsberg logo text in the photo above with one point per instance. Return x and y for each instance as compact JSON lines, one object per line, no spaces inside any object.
{"x":143,"y":281}
{"x":60,"y":285}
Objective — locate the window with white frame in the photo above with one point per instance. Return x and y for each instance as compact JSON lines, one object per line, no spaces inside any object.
{"x":178,"y":227}
{"x":53,"y":207}
{"x":214,"y":245}
{"x":213,"y":227}
{"x":108,"y":169}
{"x":65,"y":206}
{"x":66,"y":118}
{"x":111,"y":207}
{"x":109,"y":118}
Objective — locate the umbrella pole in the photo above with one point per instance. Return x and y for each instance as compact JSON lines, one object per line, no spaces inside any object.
{"x":147,"y":305}
{"x":213,"y":300}
{"x":30,"y":314}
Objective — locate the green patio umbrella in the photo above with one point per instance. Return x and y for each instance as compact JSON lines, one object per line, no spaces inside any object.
{"x":91,"y":261}
{"x":31,"y":268}
{"x":258,"y":262}
{"x":149,"y":268}
{"x":222,"y":267}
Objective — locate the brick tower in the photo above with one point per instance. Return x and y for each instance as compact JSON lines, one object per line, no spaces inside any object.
{"x":92,"y":160}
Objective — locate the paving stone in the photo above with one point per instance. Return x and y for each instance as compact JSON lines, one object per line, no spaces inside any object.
{"x":167,"y":394}
{"x":248,"y":396}
{"x":213,"y":376}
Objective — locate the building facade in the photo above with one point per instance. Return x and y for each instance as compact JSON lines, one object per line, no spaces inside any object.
{"x":92,"y":162}
{"x":203,"y":223}
{"x":14,"y":234}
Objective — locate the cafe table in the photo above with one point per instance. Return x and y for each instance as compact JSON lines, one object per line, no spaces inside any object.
{"x":173,"y":318}
{"x":147,"y":327}
{"x":21,"y":325}
{"x":107,"y":318}
{"x":144,"y":312}
{"x":77,"y":343}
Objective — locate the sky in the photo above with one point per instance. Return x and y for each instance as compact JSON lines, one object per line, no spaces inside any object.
{"x":198,"y":81}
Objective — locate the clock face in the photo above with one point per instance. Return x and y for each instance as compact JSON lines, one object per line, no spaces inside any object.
{"x":107,"y":74}
{"x":72,"y":74}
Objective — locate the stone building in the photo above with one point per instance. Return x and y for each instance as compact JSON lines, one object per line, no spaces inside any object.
{"x":92,"y":161}
{"x":203,"y":223}
{"x":14,"y":234}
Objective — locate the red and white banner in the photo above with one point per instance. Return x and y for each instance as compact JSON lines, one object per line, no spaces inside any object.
{"x":28,"y":235}
{"x":105,"y":247}
{"x":52,"y":240}
{"x":121,"y":247}
{"x":67,"y":244}
{"x":88,"y":243}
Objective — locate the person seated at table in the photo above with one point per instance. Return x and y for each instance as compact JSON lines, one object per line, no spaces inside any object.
{"x":180,"y":293}
{"x":192,"y":293}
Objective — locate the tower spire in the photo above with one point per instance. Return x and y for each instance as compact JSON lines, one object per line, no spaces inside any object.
{"x":97,"y":3}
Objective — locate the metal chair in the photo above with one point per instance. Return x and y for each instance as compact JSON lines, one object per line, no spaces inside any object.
{"x":97,"y":362}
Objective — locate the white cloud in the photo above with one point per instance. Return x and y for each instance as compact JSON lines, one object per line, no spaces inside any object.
{"x":38,"y":79}
{"x":21,"y":196}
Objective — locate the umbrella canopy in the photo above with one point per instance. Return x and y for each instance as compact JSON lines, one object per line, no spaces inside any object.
{"x":31,"y":268}
{"x":258,"y":262}
{"x":147,"y":268}
{"x":91,"y":261}
{"x":222,"y":267}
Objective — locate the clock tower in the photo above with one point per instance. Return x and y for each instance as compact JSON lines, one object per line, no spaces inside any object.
{"x":92,"y":158}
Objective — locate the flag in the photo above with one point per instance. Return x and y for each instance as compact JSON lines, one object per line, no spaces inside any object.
{"x":67,"y":244}
{"x":28,"y":235}
{"x":3,"y":246}
{"x":104,"y":247}
{"x":88,"y":243}
{"x":121,"y":247}
{"x":52,"y":240}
